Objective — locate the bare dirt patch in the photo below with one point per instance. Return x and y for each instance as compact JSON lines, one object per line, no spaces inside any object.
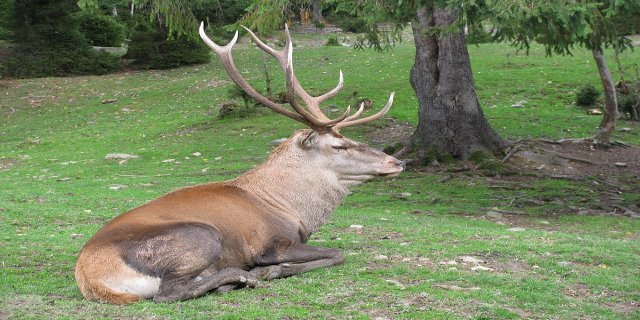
{"x":577,"y":158}
{"x":581,"y":291}
{"x":612,"y":173}
{"x":6,"y":164}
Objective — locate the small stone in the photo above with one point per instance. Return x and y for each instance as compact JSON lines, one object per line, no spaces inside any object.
{"x":76,"y":235}
{"x":381,"y":257}
{"x":470,"y":259}
{"x":217,"y":158}
{"x":494,"y":214}
{"x":196,"y":154}
{"x":517,"y":229}
{"x":356,"y":227}
{"x":544,"y":222}
{"x":118,"y":186}
{"x":519,"y":104}
{"x":405,"y":195}
{"x":168,"y":160}
{"x":120,"y":156}
{"x":620,"y":164}
{"x":109,"y":101}
{"x":481,"y":268}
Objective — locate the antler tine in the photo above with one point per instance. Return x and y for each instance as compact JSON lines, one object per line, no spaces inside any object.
{"x":367,"y":119}
{"x":291,"y":98}
{"x":333,"y":92}
{"x":279,"y":55}
{"x":312,"y":116}
{"x":224,"y":52}
{"x":357,"y":114}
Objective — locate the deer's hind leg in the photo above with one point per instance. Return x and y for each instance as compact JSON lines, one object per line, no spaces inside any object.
{"x":186,"y":258}
{"x":209,"y":280}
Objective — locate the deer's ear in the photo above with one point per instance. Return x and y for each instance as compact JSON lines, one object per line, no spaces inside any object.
{"x":308,"y":140}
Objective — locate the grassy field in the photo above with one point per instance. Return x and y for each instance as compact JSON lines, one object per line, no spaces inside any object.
{"x":427,"y":248}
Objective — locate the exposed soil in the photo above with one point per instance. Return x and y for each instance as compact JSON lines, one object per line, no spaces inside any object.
{"x":579,"y":159}
{"x":7,"y":163}
{"x":611,"y":172}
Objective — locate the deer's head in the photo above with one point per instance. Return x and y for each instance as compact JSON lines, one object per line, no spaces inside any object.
{"x":322,"y":147}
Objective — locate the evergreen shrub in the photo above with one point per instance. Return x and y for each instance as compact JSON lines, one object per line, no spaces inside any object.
{"x":100,"y":30}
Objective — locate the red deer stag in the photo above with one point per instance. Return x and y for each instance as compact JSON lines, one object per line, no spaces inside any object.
{"x":226,"y":235}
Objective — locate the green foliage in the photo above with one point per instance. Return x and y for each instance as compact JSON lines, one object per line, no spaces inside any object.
{"x":587,"y":96}
{"x":319,"y":25}
{"x":479,"y":35}
{"x":629,"y":103}
{"x":6,"y":9}
{"x":560,"y":25}
{"x":177,"y":16}
{"x":349,"y":23}
{"x":24,"y":63}
{"x":150,"y":49}
{"x":332,"y":41}
{"x":489,"y":164}
{"x":221,"y":12}
{"x":48,"y":43}
{"x":236,"y":92}
{"x":266,"y":16}
{"x":101,"y":30}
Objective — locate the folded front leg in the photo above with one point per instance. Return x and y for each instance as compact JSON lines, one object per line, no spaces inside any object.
{"x":296,"y":259}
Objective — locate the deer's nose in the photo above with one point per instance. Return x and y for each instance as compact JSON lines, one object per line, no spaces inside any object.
{"x":399,"y":163}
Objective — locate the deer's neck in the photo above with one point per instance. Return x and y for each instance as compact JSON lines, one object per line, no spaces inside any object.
{"x":293,"y":187}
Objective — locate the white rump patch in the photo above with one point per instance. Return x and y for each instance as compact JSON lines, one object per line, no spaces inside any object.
{"x":141,"y":285}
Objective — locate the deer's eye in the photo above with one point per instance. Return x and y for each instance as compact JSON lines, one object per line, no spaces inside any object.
{"x":339,"y":148}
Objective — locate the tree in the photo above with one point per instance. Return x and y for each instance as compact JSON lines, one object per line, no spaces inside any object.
{"x":450,"y":118}
{"x":451,"y":122}
{"x":595,"y":25}
{"x":316,"y":11}
{"x":175,"y":17}
{"x":48,"y":42}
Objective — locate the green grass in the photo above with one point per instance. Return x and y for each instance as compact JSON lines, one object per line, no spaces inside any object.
{"x":54,"y":194}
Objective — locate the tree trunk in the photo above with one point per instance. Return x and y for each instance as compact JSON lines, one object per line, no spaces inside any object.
{"x":603,"y":136}
{"x":267,"y":78}
{"x":450,"y":120}
{"x":316,"y":11}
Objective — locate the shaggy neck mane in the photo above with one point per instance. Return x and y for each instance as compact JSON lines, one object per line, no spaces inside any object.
{"x":290,"y":183}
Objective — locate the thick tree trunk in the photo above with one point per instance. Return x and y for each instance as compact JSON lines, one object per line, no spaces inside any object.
{"x":603,"y":137}
{"x":450,"y":120}
{"x":316,"y":11}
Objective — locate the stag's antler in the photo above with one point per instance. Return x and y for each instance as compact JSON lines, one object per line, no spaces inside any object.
{"x":313,"y":115}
